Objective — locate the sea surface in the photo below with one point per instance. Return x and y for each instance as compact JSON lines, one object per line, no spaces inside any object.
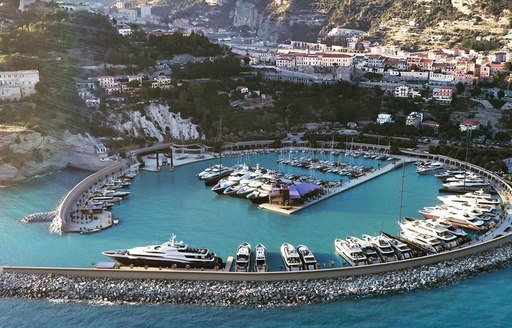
{"x":177,"y":202}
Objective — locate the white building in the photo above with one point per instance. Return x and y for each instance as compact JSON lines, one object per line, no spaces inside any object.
{"x":384,"y":118}
{"x":124,"y":30}
{"x":106,"y":81}
{"x":402,"y":91}
{"x":15,"y":85}
{"x":414,"y":119}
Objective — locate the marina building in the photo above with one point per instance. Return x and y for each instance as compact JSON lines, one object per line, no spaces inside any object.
{"x":15,"y":85}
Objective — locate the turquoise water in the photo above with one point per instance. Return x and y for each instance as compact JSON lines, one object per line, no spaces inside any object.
{"x":176,"y":202}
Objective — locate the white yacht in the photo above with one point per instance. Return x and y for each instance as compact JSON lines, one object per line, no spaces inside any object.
{"x":243,"y":257}
{"x":351,"y":252}
{"x":428,"y":243}
{"x":430,"y":168}
{"x":419,"y":226}
{"x":290,"y":257}
{"x":403,"y":251}
{"x":168,"y":254}
{"x":455,"y":216}
{"x":476,"y":197}
{"x":367,"y":249}
{"x":468,"y":184}
{"x":383,"y":247}
{"x":260,"y":259}
{"x":307,"y":257}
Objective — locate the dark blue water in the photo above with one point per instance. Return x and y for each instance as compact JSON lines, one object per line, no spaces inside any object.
{"x":164,"y":203}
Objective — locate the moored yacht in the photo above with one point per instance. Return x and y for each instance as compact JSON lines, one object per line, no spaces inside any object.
{"x":260,"y":259}
{"x":368,"y":250}
{"x":420,"y":226}
{"x":428,"y":243}
{"x":243,"y":256}
{"x":383,"y":247}
{"x":403,"y":251}
{"x":290,"y":257}
{"x":350,"y":251}
{"x":430,"y":167}
{"x":168,"y":254}
{"x":307,"y":257}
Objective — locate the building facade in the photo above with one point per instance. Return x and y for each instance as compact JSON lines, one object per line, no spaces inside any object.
{"x":15,"y":85}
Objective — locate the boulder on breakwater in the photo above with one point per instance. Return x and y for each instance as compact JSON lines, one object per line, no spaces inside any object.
{"x":250,"y":293}
{"x":39,"y":217}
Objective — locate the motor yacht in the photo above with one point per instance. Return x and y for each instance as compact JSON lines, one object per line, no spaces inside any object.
{"x":290,"y":256}
{"x":403,"y":251}
{"x":260,"y":259}
{"x":243,"y":256}
{"x":476,"y":197}
{"x":350,"y":251}
{"x":420,"y":226}
{"x":455,"y":216}
{"x":368,"y":250}
{"x":383,"y":247}
{"x":169,"y":254}
{"x":430,"y":168}
{"x":307,"y":257}
{"x":428,"y":243}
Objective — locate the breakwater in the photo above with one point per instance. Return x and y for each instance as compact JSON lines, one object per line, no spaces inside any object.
{"x":251,"y":293}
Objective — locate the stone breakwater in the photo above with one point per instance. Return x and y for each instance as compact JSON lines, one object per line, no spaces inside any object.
{"x":260,"y":294}
{"x":39,"y":217}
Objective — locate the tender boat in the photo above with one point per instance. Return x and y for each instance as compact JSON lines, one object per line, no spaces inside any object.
{"x":260,"y":259}
{"x":243,"y":257}
{"x":169,"y":254}
{"x":350,"y":251}
{"x":290,"y":257}
{"x":307,"y":257}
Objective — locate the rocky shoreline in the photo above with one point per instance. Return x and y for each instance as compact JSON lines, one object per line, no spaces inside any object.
{"x":249,"y":293}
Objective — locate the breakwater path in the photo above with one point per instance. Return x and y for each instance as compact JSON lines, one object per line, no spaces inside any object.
{"x":251,"y":293}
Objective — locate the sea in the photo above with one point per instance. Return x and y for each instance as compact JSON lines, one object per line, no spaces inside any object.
{"x":167,"y":202}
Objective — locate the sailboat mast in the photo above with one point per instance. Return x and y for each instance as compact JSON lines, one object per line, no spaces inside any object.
{"x":402,"y":191}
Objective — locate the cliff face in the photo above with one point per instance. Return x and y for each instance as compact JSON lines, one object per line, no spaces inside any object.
{"x":29,"y":153}
{"x":156,"y":121}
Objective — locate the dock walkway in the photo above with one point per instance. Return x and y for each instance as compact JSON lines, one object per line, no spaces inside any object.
{"x":333,"y":192}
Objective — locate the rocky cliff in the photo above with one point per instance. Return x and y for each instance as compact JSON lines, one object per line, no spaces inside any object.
{"x":26,"y":153}
{"x":155,"y":121}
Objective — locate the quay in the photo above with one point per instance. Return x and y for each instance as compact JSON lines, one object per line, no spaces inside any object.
{"x":333,"y":192}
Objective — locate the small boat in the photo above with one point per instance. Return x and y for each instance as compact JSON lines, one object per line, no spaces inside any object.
{"x":243,"y":256}
{"x":290,"y":257}
{"x":260,"y":259}
{"x":307,"y":257}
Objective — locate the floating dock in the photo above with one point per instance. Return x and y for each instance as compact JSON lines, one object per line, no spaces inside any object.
{"x":333,"y":192}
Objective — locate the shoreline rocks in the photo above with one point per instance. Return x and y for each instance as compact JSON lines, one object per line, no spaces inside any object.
{"x":250,"y":293}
